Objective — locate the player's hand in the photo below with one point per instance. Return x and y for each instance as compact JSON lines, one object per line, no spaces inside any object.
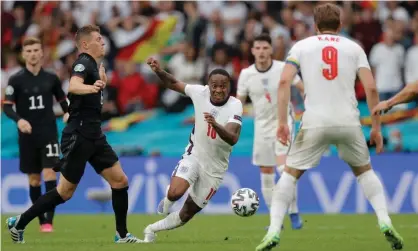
{"x":382,"y":107}
{"x":283,"y":134}
{"x":99,"y":84}
{"x":65,"y":118}
{"x":102,"y":74}
{"x":209,"y":118}
{"x":154,"y":64}
{"x":376,"y":139}
{"x":24,"y":126}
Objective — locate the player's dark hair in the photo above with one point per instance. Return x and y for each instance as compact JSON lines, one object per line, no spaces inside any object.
{"x":31,"y":41}
{"x":264,"y":37}
{"x":85,"y":31}
{"x":327,"y":17}
{"x":220,"y":72}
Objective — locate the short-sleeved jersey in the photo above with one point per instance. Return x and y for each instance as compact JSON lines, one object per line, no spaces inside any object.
{"x":261,"y":87}
{"x":329,"y":66}
{"x":85,"y":110}
{"x":204,"y":143}
{"x":33,"y":96}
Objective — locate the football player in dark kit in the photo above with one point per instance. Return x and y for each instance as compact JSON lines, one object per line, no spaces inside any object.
{"x":83,"y":141}
{"x":32,"y":90}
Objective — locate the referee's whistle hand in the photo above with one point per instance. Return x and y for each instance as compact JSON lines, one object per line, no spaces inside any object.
{"x":24,"y":126}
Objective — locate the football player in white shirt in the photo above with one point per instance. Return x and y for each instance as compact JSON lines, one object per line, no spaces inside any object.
{"x":206,"y":158}
{"x":329,"y":65}
{"x":260,"y":82}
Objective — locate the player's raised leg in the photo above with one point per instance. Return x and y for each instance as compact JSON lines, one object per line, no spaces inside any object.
{"x":173,"y":220}
{"x":35,"y":191}
{"x":47,"y":202}
{"x":50,"y":180}
{"x":184,"y":175}
{"x":50,"y":159}
{"x":202,"y":190}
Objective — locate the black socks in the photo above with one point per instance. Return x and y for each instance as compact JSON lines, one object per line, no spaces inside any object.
{"x":120,"y":207}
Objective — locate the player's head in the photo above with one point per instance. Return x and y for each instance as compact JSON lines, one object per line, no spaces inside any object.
{"x":32,"y":51}
{"x":219,"y":85}
{"x":89,"y":40}
{"x":262,"y":49}
{"x":327,"y":18}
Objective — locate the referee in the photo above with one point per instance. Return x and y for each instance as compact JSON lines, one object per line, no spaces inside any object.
{"x":32,"y":90}
{"x":83,"y":141}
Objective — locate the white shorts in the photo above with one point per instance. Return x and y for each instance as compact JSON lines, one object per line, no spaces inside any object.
{"x":202,"y":186}
{"x":310,"y":144}
{"x":265,"y":150}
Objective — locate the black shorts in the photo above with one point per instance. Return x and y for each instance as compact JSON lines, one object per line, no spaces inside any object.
{"x":78,"y":150}
{"x":35,"y":156}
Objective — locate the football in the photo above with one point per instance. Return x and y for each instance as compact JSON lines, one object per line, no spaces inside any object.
{"x":245,"y":202}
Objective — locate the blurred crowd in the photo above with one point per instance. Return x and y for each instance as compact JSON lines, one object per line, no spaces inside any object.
{"x":206,"y":35}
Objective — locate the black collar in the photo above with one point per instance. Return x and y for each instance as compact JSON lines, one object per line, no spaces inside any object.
{"x":29,"y":72}
{"x":89,"y":56}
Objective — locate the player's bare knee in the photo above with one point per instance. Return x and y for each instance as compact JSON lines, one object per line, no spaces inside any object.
{"x":267,"y":169}
{"x":35,"y":179}
{"x":174,"y":193}
{"x":65,"y":188}
{"x":49,"y":174}
{"x":358,"y":170}
{"x":115,"y":176}
{"x":119,"y":181}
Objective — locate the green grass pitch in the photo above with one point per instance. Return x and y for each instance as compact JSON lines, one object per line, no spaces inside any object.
{"x":216,"y":232}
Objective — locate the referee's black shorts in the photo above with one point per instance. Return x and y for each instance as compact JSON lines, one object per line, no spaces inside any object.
{"x":37,"y":154}
{"x":78,"y":150}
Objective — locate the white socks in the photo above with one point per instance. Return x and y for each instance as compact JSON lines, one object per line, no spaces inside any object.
{"x":167,"y":204}
{"x":373,"y":189}
{"x":283,"y":195}
{"x":172,"y":221}
{"x":293,"y":208}
{"x":267,"y":186}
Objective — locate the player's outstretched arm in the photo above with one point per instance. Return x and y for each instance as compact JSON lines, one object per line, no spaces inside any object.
{"x":169,"y":81}
{"x":372,"y":95}
{"x":406,"y":95}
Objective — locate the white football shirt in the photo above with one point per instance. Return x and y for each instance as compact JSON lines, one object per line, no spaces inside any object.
{"x":205,"y":145}
{"x":329,"y":65}
{"x":262,"y":87}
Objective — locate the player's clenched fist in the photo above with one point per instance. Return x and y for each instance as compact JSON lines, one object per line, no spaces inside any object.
{"x":98,"y":85}
{"x":209,"y":118}
{"x":154,"y":64}
{"x":283,"y":134}
{"x":24,"y":126}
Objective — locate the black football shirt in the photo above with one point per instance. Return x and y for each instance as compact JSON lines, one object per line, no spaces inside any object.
{"x":85,"y":110}
{"x":33,"y":97}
